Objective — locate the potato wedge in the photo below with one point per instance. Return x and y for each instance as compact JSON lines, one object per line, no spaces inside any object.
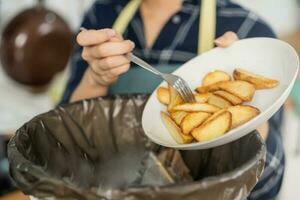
{"x":209,"y":88}
{"x":260,"y":82}
{"x":178,"y":116}
{"x":241,"y":89}
{"x":216,"y":126}
{"x":193,"y":120}
{"x":242,"y":114}
{"x":234,"y":100}
{"x":175,"y":98}
{"x":202,"y":98}
{"x":174,"y":130}
{"x":218,"y":101}
{"x":214,"y":115}
{"x":163,"y":95}
{"x":215,"y":77}
{"x":196,"y":107}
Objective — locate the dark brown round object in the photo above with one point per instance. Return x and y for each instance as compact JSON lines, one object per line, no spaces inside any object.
{"x":35,"y":45}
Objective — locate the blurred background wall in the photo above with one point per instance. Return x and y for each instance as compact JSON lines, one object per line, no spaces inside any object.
{"x":70,"y":10}
{"x":19,"y":104}
{"x":282,"y":15}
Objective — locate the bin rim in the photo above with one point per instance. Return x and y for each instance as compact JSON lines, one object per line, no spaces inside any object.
{"x":260,"y":155}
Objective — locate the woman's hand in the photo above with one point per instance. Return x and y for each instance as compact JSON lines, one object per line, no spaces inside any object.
{"x":227,"y":39}
{"x":104,"y":51}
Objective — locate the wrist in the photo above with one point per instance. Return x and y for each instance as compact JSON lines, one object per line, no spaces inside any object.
{"x":88,"y":88}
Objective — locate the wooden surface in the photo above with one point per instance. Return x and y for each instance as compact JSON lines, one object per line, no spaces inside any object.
{"x":15,"y":196}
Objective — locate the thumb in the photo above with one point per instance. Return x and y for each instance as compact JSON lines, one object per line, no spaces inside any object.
{"x":227,"y":39}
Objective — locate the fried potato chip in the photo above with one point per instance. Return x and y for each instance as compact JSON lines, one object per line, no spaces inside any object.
{"x":260,"y":82}
{"x":178,"y":116}
{"x":175,"y":98}
{"x":242,"y":114}
{"x":215,"y":126}
{"x":215,"y":114}
{"x":215,"y":77}
{"x":193,"y":120}
{"x":234,"y":100}
{"x":218,"y":101}
{"x":209,"y":88}
{"x":196,"y":107}
{"x":163,"y":95}
{"x":174,"y":130}
{"x":241,"y":89}
{"x":202,"y":98}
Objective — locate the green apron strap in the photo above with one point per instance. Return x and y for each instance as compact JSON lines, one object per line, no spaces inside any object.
{"x":207,"y":25}
{"x":125,"y":16}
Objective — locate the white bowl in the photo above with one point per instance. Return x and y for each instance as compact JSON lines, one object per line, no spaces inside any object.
{"x":265,"y":56}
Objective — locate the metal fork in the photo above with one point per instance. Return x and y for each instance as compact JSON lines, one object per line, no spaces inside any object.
{"x":174,"y":81}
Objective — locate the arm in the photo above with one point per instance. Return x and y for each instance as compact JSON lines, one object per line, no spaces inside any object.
{"x":83,"y":82}
{"x":104,"y":52}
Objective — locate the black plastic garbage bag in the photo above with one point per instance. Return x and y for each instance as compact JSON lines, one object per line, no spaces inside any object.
{"x":96,"y":149}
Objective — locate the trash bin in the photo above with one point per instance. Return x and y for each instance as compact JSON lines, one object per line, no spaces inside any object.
{"x":96,"y":149}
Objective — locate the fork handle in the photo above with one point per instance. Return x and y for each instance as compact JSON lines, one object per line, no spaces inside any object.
{"x":138,"y":61}
{"x":143,"y":64}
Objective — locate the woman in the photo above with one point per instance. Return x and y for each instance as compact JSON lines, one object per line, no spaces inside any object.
{"x":165,"y":33}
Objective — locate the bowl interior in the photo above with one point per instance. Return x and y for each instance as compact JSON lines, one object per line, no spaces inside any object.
{"x":270,"y":57}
